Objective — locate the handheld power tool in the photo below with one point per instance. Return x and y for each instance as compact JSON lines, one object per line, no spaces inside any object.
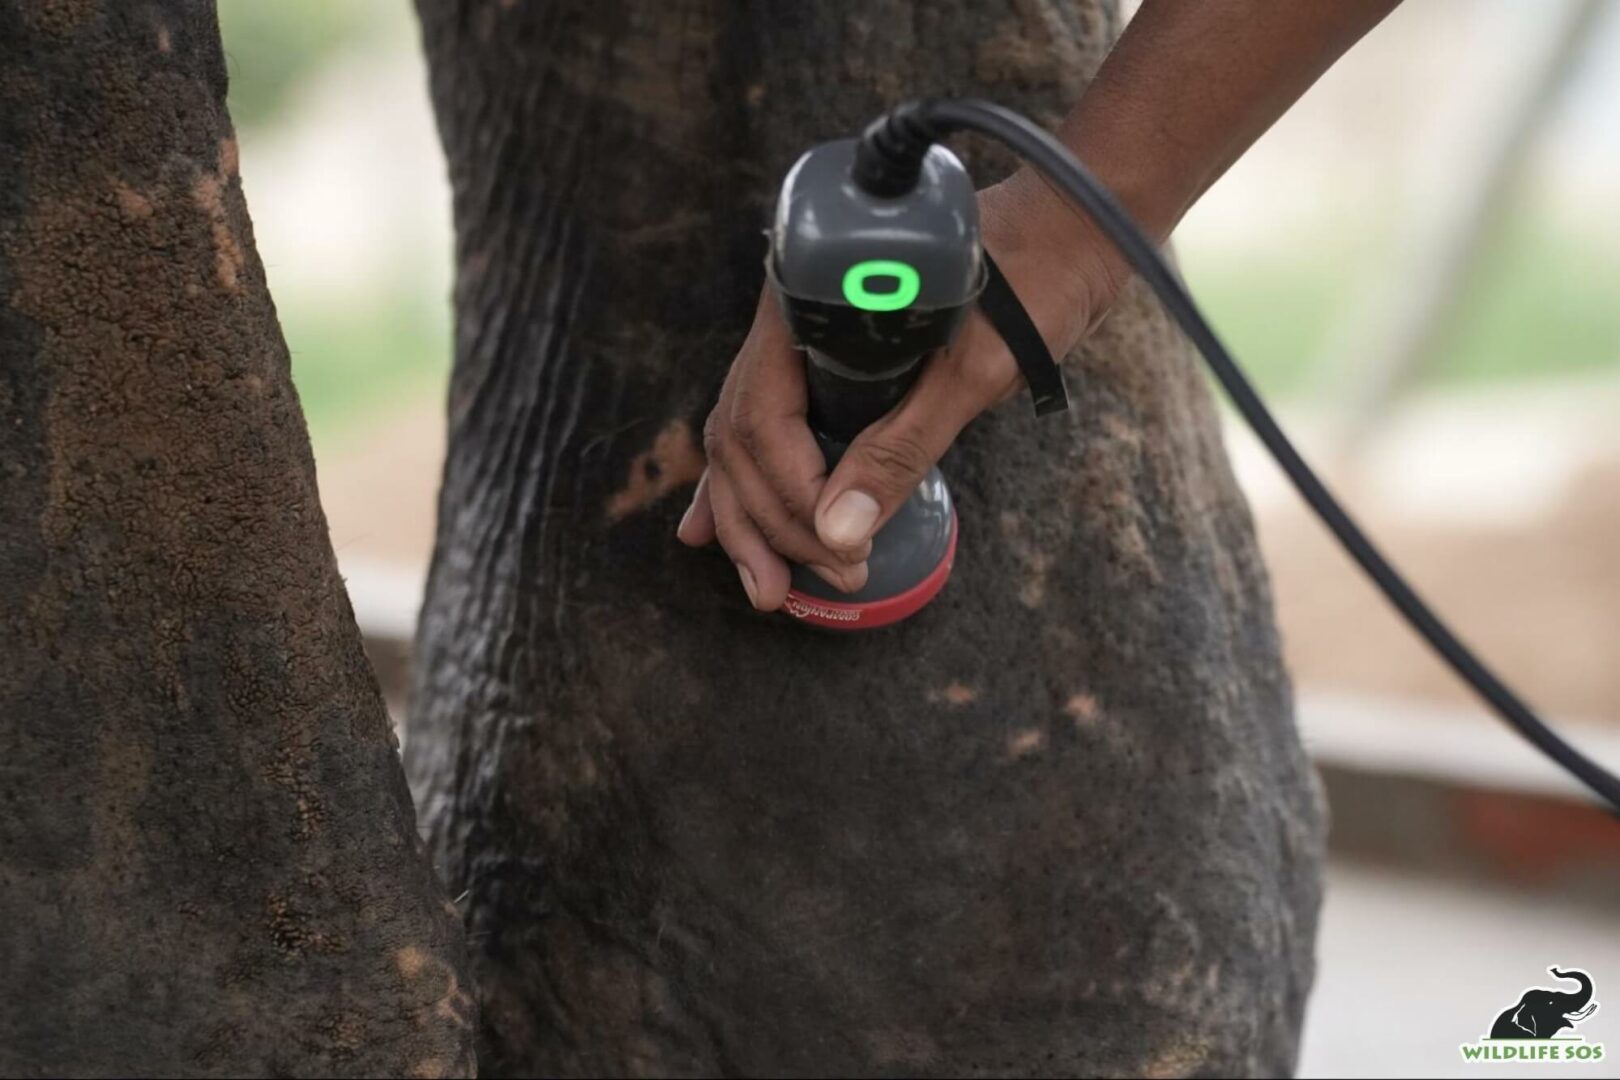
{"x":869,"y":287}
{"x":873,"y":276}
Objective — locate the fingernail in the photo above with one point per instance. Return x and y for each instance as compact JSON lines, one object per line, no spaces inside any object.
{"x":849,"y":520}
{"x":748,"y":584}
{"x":689,"y":508}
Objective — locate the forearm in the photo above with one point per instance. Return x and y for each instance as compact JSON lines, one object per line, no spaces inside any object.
{"x":1187,"y":89}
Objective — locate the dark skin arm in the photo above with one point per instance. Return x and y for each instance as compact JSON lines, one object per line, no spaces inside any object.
{"x":1188,"y":88}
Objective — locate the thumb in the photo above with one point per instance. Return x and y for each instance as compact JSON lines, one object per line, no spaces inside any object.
{"x":887,"y":461}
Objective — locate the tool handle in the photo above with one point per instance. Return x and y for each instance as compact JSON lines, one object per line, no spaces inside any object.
{"x":844,"y":401}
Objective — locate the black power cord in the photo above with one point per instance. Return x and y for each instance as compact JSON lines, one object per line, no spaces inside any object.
{"x":887,"y":162}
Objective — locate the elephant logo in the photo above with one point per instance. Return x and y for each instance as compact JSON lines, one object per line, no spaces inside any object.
{"x":1529,"y":1029}
{"x":1541,"y":1013}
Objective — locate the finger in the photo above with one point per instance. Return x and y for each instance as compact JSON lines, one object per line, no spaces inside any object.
{"x":763,"y":572}
{"x":789,"y":536}
{"x":886,"y":462}
{"x":768,"y":406}
{"x":697,"y":524}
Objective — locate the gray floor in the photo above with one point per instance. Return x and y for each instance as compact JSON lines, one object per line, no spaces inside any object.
{"x":1410,"y":968}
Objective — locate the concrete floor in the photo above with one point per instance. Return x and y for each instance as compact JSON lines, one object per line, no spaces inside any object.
{"x":1410,"y":968}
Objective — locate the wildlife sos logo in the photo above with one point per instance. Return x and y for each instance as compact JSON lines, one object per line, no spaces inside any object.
{"x":1540,"y":1025}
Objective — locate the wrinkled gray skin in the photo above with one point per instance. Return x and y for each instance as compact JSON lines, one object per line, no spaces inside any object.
{"x":1059,"y":823}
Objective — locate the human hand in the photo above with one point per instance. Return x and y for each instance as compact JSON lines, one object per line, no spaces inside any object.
{"x":766,"y":495}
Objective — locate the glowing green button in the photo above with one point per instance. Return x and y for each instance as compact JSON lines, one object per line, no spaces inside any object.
{"x":856,"y":292}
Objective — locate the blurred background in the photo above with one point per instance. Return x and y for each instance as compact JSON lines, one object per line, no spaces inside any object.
{"x":1420,"y":265}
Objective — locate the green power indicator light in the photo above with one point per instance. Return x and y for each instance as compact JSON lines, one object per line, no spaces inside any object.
{"x":907,"y":284}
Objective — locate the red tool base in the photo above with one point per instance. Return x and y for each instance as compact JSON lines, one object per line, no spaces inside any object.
{"x":871,"y":614}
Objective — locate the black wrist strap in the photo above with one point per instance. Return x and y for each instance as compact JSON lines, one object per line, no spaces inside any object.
{"x":1006,"y":313}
